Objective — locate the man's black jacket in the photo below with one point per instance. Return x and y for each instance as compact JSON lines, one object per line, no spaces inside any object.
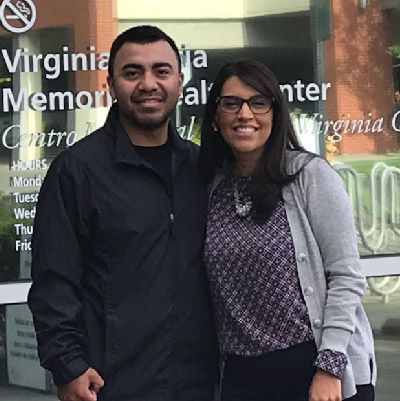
{"x":118,"y":279}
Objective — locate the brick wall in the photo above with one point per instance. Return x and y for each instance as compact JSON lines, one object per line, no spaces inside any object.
{"x":90,"y":22}
{"x":103,"y":31}
{"x":357,"y":63}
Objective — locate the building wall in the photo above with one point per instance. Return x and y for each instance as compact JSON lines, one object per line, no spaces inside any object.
{"x":358,"y":64}
{"x":91,"y":22}
{"x":208,"y":9}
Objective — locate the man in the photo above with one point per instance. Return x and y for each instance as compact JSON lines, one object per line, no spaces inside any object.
{"x":119,"y":297}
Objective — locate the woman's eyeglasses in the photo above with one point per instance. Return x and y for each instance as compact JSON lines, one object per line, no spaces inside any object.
{"x":258,"y":104}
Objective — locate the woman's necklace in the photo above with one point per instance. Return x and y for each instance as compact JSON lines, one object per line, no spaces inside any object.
{"x":242,"y":206}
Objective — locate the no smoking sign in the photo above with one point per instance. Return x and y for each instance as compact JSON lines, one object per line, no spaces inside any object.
{"x":17,"y":16}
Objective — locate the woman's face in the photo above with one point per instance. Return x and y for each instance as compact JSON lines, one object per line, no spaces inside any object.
{"x":244,"y":131}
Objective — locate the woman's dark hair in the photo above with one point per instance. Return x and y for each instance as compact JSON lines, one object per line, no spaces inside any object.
{"x":271,"y":173}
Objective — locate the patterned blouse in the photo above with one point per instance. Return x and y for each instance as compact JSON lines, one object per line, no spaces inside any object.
{"x":255,"y":286}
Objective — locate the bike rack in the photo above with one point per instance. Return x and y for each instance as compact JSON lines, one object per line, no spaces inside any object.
{"x":384,"y":184}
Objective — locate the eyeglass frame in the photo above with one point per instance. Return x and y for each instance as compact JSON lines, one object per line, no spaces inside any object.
{"x":243,"y":101}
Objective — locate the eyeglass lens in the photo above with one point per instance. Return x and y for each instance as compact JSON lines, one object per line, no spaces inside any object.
{"x":257,"y":104}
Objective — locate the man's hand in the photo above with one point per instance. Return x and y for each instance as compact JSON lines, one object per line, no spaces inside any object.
{"x":83,"y":388}
{"x":325,"y":387}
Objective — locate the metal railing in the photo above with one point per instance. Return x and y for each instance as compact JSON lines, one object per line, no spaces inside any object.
{"x":379,"y":227}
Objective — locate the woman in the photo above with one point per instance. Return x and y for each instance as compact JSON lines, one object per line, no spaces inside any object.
{"x":281,"y":253}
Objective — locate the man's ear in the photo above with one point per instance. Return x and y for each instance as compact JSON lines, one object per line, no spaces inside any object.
{"x":181,"y":79}
{"x":111,"y":88}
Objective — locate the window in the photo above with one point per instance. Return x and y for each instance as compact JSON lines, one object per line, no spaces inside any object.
{"x":338,"y":63}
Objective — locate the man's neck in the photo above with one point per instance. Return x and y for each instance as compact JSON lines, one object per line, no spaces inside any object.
{"x":146,"y":137}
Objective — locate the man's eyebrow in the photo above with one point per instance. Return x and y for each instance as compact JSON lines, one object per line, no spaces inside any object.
{"x":132,"y":65}
{"x":160,"y":64}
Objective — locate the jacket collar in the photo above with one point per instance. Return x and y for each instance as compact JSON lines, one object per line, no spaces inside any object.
{"x":124,"y":150}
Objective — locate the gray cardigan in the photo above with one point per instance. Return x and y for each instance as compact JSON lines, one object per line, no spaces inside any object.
{"x":321,"y":222}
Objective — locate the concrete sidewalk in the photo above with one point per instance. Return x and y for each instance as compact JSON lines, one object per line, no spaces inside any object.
{"x":385,"y":323}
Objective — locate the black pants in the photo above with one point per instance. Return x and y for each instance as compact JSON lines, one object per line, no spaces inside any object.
{"x":283,"y":375}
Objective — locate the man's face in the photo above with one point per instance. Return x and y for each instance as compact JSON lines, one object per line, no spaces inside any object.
{"x":146,"y":84}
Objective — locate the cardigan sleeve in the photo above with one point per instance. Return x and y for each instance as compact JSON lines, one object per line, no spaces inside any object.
{"x":330,"y":216}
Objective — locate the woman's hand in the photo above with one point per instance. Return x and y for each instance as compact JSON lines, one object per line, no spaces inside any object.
{"x":325,"y":387}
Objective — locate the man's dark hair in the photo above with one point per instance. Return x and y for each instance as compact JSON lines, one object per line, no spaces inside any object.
{"x":271,"y":174}
{"x":140,"y":34}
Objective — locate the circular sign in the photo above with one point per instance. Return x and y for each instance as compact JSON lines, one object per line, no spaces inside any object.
{"x":17,"y":16}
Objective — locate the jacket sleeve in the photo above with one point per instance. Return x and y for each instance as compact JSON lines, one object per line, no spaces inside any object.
{"x":55,"y":295}
{"x":331,"y":219}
